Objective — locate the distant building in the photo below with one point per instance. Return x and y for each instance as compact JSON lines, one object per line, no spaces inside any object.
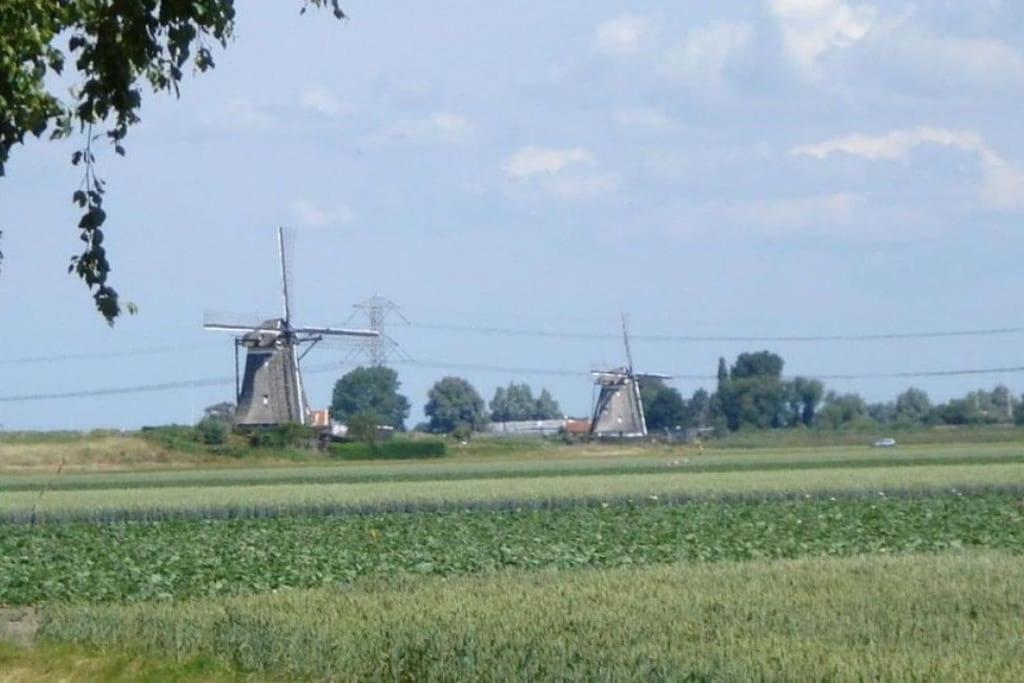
{"x":526,"y":427}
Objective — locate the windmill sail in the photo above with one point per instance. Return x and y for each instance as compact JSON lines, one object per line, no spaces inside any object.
{"x":271,"y":390}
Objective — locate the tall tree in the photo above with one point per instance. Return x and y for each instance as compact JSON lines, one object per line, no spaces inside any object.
{"x":842,"y":410}
{"x":804,"y":397}
{"x":547,"y":407}
{"x":453,"y":403}
{"x":116,"y":48}
{"x":514,"y":402}
{"x":663,"y":406}
{"x":699,"y":409}
{"x":753,"y":396}
{"x":912,"y":407}
{"x":370,"y":391}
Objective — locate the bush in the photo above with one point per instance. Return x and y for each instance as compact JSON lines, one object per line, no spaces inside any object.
{"x":212,"y":432}
{"x":289,"y":435}
{"x":362,"y":427}
{"x":174,"y":437}
{"x":388,"y":450}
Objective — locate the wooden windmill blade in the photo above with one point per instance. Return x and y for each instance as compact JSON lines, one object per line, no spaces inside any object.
{"x":335,"y":332}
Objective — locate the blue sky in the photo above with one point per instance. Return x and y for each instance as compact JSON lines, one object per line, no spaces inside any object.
{"x":769,"y":168}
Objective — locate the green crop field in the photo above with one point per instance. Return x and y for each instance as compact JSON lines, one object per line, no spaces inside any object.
{"x":947,"y":617}
{"x":144,"y":503}
{"x":844,"y":563}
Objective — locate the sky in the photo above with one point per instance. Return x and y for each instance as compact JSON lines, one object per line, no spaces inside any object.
{"x":768,"y":168}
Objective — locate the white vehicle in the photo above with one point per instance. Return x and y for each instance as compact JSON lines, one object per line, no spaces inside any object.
{"x":884,"y":443}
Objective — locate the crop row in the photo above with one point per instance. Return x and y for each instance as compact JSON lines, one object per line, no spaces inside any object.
{"x":468,"y":471}
{"x":284,"y":499}
{"x":178,"y":559}
{"x":916,"y":617}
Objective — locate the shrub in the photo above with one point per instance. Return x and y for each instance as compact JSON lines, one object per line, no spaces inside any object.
{"x":288,"y":435}
{"x":212,"y":432}
{"x":388,"y":450}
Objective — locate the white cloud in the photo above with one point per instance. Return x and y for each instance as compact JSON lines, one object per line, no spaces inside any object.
{"x":530,"y":160}
{"x":643,"y":117}
{"x":319,"y":99}
{"x":310,"y":215}
{"x":1003,"y":185}
{"x":566,"y":173}
{"x":440,"y":127}
{"x":622,"y":35}
{"x":706,"y":52}
{"x":811,"y":28}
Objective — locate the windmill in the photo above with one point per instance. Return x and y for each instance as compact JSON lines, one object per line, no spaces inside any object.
{"x":619,"y":410}
{"x":270,"y":391}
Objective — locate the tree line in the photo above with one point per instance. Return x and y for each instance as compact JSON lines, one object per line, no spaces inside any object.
{"x":751,"y":393}
{"x":453,"y":404}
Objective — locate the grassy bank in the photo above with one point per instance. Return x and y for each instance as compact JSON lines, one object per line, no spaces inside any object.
{"x":945,"y":617}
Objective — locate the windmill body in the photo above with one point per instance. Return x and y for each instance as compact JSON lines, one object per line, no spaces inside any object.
{"x":619,"y":409}
{"x":270,"y":391}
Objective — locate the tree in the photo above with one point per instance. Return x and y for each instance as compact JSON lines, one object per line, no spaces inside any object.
{"x":370,"y":391}
{"x":220,"y":412}
{"x":453,"y":402}
{"x":699,"y":408}
{"x":760,"y":364}
{"x":663,"y":406}
{"x":913,"y":407}
{"x":362,"y":427}
{"x":842,"y":410}
{"x":516,"y":402}
{"x":804,"y":395}
{"x":547,"y":407}
{"x":753,"y":395}
{"x":115,"y":48}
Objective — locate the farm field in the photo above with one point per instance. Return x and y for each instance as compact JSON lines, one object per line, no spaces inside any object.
{"x":916,"y":617}
{"x":261,"y":500}
{"x":843,"y":563}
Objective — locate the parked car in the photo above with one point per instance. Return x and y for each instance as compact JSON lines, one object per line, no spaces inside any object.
{"x":884,"y":443}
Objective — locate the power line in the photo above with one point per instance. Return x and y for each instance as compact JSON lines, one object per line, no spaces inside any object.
{"x":681,"y":338}
{"x":334,"y":367}
{"x":95,"y":355}
{"x":391,"y":346}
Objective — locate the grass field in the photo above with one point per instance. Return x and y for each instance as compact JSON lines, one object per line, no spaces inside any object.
{"x":945,"y":617}
{"x":525,"y":560}
{"x":554,"y":491}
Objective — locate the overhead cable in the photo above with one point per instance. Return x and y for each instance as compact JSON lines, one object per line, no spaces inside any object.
{"x":334,"y":367}
{"x":692,"y":338}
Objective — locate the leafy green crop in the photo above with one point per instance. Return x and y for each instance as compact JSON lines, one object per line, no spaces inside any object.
{"x":179,"y":559}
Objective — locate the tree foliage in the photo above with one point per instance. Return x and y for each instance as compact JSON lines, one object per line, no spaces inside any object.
{"x":453,"y":403}
{"x":516,"y":402}
{"x":664,"y":407}
{"x":370,"y":391}
{"x":753,"y":395}
{"x":115,"y":48}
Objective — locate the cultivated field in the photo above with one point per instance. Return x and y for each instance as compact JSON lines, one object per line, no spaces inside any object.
{"x":844,"y":563}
